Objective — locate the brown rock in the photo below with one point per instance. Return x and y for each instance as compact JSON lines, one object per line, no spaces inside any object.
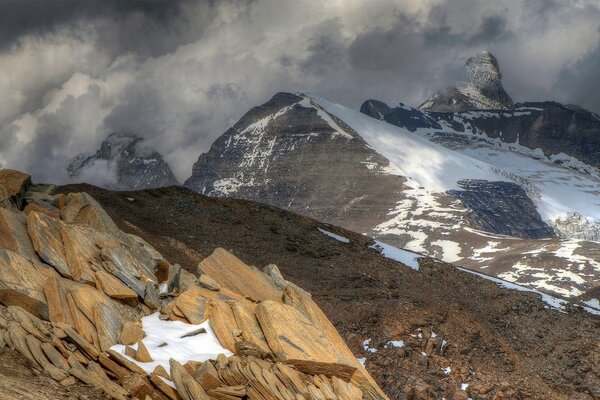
{"x":43,"y":208}
{"x":82,"y":208}
{"x":142,"y":354}
{"x":15,"y":185}
{"x":113,"y":367}
{"x":14,"y":236}
{"x":193,"y":304}
{"x":345,"y":390}
{"x":208,"y":376}
{"x":68,"y":381}
{"x":35,"y":347}
{"x":45,"y":234}
{"x":296,"y":340}
{"x":81,"y":342}
{"x":18,"y":338}
{"x":228,"y":392}
{"x":187,"y":387}
{"x":21,"y":284}
{"x":56,"y":298}
{"x":140,"y":388}
{"x":113,"y":287}
{"x":131,"y":366}
{"x":81,"y":323}
{"x":131,"y":333}
{"x":302,"y":301}
{"x":208,"y":282}
{"x":81,"y":251}
{"x":164,"y":387}
{"x":460,"y":395}
{"x":29,"y":322}
{"x":223,"y":323}
{"x":108,"y":325}
{"x":233,"y":274}
{"x":54,"y":356}
{"x":245,"y":317}
{"x":161,"y":371}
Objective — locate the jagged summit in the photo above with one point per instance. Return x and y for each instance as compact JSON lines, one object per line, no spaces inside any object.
{"x":482,"y":90}
{"x":123,"y":162}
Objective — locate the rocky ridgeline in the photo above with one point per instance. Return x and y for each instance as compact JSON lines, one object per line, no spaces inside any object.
{"x":72,"y":286}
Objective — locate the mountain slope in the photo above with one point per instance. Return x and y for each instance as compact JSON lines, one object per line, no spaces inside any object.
{"x":500,"y":342}
{"x":123,"y":162}
{"x":315,"y":157}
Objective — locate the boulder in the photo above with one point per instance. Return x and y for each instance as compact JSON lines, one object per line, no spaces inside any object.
{"x":245,"y":318}
{"x":302,"y":301}
{"x":187,"y":387}
{"x":108,"y":325}
{"x":56,"y":299}
{"x":296,"y":340}
{"x":208,"y":376}
{"x":82,"y":208}
{"x":55,"y":357}
{"x":45,"y":234}
{"x":163,"y":386}
{"x":15,"y":184}
{"x":21,"y":284}
{"x":222,"y":321}
{"x":81,"y":249}
{"x":131,"y":333}
{"x":113,"y":287}
{"x":233,"y":274}
{"x":13,"y":234}
{"x":142,"y":354}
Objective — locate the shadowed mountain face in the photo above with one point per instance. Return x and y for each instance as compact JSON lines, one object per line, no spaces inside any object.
{"x":482,"y":90}
{"x":126,"y":164}
{"x":291,"y":153}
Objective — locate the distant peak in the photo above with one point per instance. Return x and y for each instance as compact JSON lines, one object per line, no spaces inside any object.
{"x":481,"y":90}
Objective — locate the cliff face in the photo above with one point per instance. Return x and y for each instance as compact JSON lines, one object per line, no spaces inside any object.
{"x":482,"y":90}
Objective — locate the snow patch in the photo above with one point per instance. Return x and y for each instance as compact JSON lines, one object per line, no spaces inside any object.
{"x":406,"y":257}
{"x":334,"y":236}
{"x":175,"y":339}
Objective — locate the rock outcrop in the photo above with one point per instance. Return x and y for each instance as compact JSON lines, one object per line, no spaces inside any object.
{"x":79,"y":297}
{"x":128,"y":165}
{"x":482,"y":90}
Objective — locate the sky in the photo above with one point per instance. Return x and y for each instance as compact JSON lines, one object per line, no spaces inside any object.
{"x":180,"y":73}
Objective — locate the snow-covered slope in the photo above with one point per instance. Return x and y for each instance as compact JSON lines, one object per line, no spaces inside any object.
{"x":429,"y":164}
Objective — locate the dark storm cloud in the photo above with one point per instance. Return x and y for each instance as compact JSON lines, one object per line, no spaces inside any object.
{"x":144,"y":21}
{"x":579,"y":82}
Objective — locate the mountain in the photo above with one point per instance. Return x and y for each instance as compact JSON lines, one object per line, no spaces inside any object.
{"x":308,"y":155}
{"x":482,"y":90}
{"x":439,"y":331}
{"x":123,"y":162}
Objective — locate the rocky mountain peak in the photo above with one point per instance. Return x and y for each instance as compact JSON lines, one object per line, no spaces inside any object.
{"x":128,"y":164}
{"x":482,"y":89}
